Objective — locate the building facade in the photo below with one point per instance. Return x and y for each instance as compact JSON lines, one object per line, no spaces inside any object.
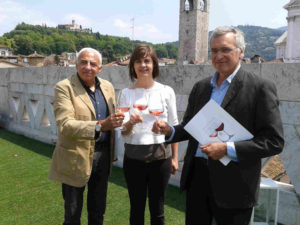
{"x":74,"y":27}
{"x":193,"y":31}
{"x":288,"y":45}
{"x":4,"y":50}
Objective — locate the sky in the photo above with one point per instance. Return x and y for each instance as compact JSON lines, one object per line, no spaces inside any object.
{"x":155,"y":21}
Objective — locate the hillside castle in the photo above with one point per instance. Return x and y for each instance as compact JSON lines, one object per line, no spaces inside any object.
{"x":74,"y":27}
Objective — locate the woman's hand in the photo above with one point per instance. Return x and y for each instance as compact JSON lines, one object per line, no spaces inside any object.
{"x":135,"y":118}
{"x":174,"y":165}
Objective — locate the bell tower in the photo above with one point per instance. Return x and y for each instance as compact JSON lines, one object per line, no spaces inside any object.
{"x":193,"y":31}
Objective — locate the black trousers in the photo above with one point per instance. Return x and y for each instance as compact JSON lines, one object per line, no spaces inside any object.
{"x":200,"y":204}
{"x":144,"y":179}
{"x":96,"y":196}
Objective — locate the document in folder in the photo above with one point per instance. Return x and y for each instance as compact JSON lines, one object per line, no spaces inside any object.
{"x":213,"y":124}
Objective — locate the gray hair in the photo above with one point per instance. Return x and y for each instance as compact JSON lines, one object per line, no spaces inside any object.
{"x":89,"y":50}
{"x":239,"y":35}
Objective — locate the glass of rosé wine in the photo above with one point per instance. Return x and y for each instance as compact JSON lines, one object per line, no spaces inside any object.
{"x":141,"y":101}
{"x":123,"y":105}
{"x":140,"y":104}
{"x":155,"y":104}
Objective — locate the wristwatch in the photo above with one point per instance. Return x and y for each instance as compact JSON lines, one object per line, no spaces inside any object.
{"x":98,"y":126}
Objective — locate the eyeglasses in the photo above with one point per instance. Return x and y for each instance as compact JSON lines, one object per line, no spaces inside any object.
{"x":224,"y":51}
{"x":86,"y":62}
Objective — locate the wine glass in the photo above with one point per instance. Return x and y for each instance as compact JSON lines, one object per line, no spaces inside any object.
{"x":155,"y":105}
{"x":140,"y":104}
{"x":221,"y":134}
{"x":140,"y":101}
{"x":123,"y":105}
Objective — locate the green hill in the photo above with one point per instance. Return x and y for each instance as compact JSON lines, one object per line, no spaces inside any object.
{"x":26,"y":39}
{"x":260,"y":41}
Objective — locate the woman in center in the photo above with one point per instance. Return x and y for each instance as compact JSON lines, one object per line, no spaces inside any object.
{"x":148,"y":162}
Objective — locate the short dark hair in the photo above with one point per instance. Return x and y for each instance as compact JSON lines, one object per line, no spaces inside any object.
{"x":142,"y":51}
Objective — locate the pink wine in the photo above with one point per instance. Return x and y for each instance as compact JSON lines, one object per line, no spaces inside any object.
{"x":140,"y":107}
{"x":155,"y":113}
{"x":123,"y":110}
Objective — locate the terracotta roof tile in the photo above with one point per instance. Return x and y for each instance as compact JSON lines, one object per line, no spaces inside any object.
{"x":275,"y":170}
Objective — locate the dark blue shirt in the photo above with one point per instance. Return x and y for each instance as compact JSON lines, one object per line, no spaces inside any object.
{"x":100,"y":107}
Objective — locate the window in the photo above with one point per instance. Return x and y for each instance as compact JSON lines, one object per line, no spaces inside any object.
{"x":187,"y":5}
{"x":202,"y":5}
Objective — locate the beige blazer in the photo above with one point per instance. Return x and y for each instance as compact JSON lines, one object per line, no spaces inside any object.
{"x":75,"y":119}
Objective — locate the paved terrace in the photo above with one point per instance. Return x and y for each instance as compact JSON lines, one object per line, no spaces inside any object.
{"x":26,"y":97}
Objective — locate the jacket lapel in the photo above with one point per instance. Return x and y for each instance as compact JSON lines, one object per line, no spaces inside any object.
{"x":79,"y":89}
{"x":203,"y":95}
{"x":108,"y":95}
{"x":234,"y":88}
{"x":206,"y":94}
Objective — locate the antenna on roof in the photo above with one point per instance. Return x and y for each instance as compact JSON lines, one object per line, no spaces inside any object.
{"x":132,"y":28}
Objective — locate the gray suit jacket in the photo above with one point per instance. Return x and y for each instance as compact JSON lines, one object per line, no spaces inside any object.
{"x":253,"y":102}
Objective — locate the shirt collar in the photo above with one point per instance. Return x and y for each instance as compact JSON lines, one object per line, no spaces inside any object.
{"x":87,"y":88}
{"x":213,"y":81}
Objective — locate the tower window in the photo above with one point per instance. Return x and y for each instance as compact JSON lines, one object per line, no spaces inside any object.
{"x":187,"y":5}
{"x":203,"y":5}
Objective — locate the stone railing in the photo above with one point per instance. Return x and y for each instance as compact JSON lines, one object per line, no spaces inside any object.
{"x":26,"y":97}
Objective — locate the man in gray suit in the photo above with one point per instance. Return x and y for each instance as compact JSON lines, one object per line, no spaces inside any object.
{"x":228,"y":193}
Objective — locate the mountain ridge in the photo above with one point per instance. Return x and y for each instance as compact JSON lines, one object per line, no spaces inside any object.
{"x":259,"y":40}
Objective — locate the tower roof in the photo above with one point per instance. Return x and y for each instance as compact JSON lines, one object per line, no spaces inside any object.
{"x":292,"y":4}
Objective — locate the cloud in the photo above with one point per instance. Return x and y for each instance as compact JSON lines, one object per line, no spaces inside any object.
{"x":121,"y":25}
{"x":13,"y":13}
{"x":145,"y":32}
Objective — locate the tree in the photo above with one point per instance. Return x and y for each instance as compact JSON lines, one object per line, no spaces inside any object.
{"x":108,"y":52}
{"x":97,"y":36}
{"x":8,"y":42}
{"x":56,"y":59}
{"x":172,"y":51}
{"x":161,"y":51}
{"x":24,"y":45}
{"x":64,"y":46}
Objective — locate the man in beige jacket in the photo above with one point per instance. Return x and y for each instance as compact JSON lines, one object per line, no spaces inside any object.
{"x":84,"y":107}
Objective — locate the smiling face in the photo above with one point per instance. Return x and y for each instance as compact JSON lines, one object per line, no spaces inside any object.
{"x":88,"y":66}
{"x":143,"y":60}
{"x":225,"y":55}
{"x":143,"y":67}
